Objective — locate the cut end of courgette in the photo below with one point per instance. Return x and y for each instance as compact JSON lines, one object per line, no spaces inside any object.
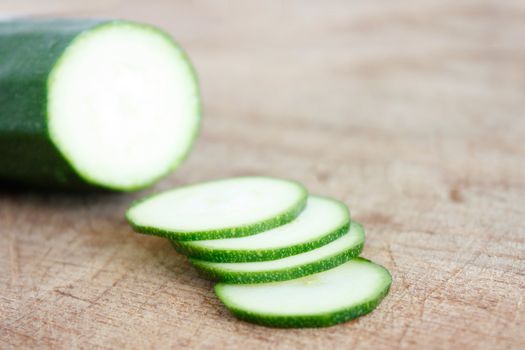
{"x":323,"y":299}
{"x":123,"y":105}
{"x":226,"y":208}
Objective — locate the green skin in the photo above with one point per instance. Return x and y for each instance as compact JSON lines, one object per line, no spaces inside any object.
{"x":229,"y":232}
{"x":29,"y":50}
{"x":309,"y":321}
{"x":232,"y":255}
{"x":216,"y":274}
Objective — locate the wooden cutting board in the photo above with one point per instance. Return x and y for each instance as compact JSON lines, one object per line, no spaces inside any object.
{"x":412,"y":114}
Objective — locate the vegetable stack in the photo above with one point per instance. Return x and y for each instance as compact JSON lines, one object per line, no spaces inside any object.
{"x":282,"y":257}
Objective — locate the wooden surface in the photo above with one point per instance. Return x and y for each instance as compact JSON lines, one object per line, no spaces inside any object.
{"x":413,"y":114}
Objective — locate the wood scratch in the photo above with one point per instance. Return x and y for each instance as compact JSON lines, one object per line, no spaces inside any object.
{"x":14,"y":260}
{"x":66,"y":294}
{"x":107,"y":289}
{"x":394,"y":263}
{"x":517,"y":312}
{"x":25,"y":337}
{"x":150,"y":296}
{"x":105,"y":264}
{"x":403,"y":336}
{"x":456,"y":273}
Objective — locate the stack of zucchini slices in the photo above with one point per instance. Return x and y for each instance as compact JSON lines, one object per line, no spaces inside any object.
{"x":282,"y":257}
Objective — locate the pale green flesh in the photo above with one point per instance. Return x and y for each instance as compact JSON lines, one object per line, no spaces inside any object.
{"x":354,"y":238}
{"x":351,"y":285}
{"x":215,"y":206}
{"x":123,"y":105}
{"x":321,"y":217}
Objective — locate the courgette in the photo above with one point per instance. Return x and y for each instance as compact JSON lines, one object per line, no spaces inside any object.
{"x":226,"y":208}
{"x":93,"y":104}
{"x":322,"y":221}
{"x":323,"y":258}
{"x":323,"y":299}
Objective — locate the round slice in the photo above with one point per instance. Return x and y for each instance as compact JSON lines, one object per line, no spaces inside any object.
{"x":225,"y":208}
{"x":323,"y":258}
{"x":324,"y":299}
{"x":322,"y":221}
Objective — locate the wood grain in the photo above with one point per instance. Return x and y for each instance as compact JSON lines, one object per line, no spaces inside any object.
{"x":411,"y":113}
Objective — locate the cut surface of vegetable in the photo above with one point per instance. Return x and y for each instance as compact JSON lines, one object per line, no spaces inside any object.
{"x":94,"y":103}
{"x":225,"y":208}
{"x":323,"y":258}
{"x":323,"y":299}
{"x":322,"y":221}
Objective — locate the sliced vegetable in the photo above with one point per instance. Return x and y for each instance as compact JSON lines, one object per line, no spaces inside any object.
{"x":322,"y":221}
{"x":323,"y":258}
{"x":324,"y":299}
{"x":93,"y":103}
{"x":226,"y":208}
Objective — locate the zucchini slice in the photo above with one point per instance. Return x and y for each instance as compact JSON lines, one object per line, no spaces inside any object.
{"x":93,"y":104}
{"x":323,"y":258}
{"x":322,"y":221}
{"x":225,"y":208}
{"x":324,"y":299}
